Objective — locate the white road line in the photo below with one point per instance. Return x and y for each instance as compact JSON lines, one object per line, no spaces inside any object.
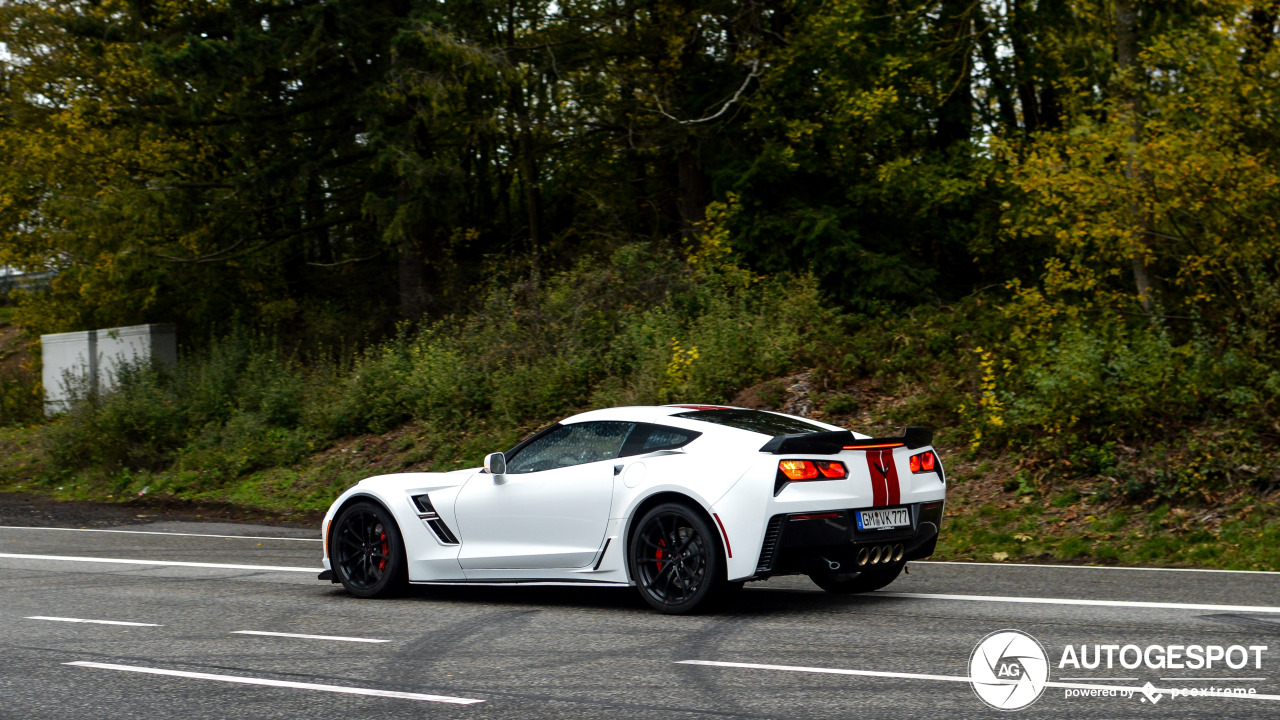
{"x":1216,"y":679}
{"x":1092,"y":567}
{"x":280,"y":683}
{"x":95,"y":622}
{"x":943,"y":678}
{"x":824,"y":671}
{"x":307,"y":637}
{"x":173,"y":563}
{"x":158,"y":532}
{"x":1086,"y":603}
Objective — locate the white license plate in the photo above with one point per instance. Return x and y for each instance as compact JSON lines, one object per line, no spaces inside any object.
{"x":883,"y":519}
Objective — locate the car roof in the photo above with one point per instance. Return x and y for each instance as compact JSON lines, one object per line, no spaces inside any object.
{"x":633,"y":413}
{"x":663,"y":414}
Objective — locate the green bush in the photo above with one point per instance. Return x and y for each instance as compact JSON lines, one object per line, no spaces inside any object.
{"x":20,"y":399}
{"x":637,"y":327}
{"x":1087,"y":382}
{"x":643,"y":326}
{"x":233,"y":397}
{"x":139,"y":426}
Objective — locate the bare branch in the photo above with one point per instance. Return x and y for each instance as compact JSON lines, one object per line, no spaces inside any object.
{"x":345,"y":262}
{"x":755,"y":73}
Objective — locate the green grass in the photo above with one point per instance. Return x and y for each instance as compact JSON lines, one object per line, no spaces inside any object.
{"x":1244,"y":535}
{"x":1062,"y":527}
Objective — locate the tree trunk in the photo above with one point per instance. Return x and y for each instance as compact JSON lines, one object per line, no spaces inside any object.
{"x":529,"y":173}
{"x":321,"y":244}
{"x":1130,"y":75}
{"x":1050,"y":15}
{"x":411,"y":266}
{"x":1050,"y":114}
{"x":987,"y":45}
{"x":1019,"y":27}
{"x":693,"y":192}
{"x":293,"y":264}
{"x":1262,"y":23}
{"x":955,"y":117}
{"x":527,"y":161}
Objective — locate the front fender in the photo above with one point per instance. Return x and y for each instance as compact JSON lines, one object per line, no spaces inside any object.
{"x":428,"y":558}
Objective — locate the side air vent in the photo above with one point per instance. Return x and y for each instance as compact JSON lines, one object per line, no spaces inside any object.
{"x":442,"y":531}
{"x":772,"y":534}
{"x":428,"y":514}
{"x":423,"y":503}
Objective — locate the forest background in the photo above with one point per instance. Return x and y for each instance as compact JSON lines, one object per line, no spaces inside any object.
{"x":401,"y":234}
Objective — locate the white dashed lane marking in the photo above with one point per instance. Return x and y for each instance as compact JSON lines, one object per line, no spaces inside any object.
{"x":95,"y":622}
{"x":268,"y":682}
{"x":167,"y":563}
{"x":1137,"y":691}
{"x":1092,"y":567}
{"x":307,"y":637}
{"x":159,"y":532}
{"x":1081,"y":602}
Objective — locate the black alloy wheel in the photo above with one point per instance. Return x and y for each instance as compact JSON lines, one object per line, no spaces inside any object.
{"x":675,"y":560}
{"x":365,"y":551}
{"x":872,"y":578}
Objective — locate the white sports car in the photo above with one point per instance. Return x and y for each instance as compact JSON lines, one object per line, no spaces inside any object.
{"x":683,"y":502}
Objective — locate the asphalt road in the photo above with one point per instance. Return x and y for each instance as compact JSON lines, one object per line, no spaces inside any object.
{"x":784,"y":648}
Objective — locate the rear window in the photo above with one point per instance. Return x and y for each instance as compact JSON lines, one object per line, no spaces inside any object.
{"x":648,"y":438}
{"x":754,"y":420}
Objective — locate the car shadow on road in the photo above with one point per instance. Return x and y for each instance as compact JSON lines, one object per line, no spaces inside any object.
{"x":756,"y":599}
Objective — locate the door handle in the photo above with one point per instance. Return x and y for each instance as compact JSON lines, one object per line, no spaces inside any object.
{"x":617,"y":469}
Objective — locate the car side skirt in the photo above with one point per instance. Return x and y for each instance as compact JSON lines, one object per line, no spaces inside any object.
{"x":504,"y":583}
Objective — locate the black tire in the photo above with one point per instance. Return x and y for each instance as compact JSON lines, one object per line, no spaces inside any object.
{"x":873,"y":578}
{"x":671,"y":583}
{"x":366,"y":551}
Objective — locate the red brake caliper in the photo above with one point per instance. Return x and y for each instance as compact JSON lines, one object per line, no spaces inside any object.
{"x":386,"y":551}
{"x":658,"y":553}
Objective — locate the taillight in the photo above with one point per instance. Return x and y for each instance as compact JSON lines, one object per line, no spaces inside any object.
{"x":925,"y":462}
{"x":831,"y":469}
{"x":798,"y":470}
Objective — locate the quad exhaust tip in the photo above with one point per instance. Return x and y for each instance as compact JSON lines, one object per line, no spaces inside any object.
{"x":878,"y":555}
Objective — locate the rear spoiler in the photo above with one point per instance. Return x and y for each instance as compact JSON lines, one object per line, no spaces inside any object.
{"x":830,"y":443}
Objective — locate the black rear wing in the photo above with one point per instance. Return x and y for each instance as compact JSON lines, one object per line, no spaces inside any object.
{"x":830,"y":443}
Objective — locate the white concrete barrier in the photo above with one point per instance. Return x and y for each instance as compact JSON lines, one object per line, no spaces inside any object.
{"x":77,"y":363}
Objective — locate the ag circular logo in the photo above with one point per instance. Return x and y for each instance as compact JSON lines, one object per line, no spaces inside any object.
{"x":1008,"y":670}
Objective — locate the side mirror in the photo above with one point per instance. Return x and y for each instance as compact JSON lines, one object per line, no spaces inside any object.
{"x":496,"y":465}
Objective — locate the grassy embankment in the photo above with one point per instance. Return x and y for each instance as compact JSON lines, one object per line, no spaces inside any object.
{"x":1125,"y":443}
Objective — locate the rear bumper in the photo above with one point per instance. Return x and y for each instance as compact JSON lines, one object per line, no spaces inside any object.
{"x":805,"y":542}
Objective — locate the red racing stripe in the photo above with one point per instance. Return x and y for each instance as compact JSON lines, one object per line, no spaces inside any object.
{"x":879,"y":488}
{"x":886,"y":489}
{"x":891,"y":477}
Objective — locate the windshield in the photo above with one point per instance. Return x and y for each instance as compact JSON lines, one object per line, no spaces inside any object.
{"x":755,"y":421}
